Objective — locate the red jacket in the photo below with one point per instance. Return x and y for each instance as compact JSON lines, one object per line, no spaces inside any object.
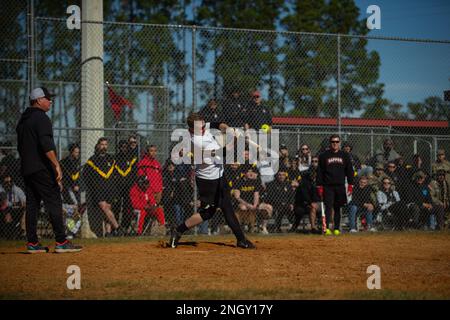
{"x":152,"y":169}
{"x":139,"y":198}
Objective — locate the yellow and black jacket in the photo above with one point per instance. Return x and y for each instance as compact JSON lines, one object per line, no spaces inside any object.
{"x":126,"y":171}
{"x":71,"y":172}
{"x":99,"y":175}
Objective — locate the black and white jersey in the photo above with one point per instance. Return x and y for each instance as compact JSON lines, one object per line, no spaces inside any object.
{"x":212,"y":166}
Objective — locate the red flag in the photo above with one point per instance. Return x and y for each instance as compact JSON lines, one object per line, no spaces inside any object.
{"x":117,"y":103}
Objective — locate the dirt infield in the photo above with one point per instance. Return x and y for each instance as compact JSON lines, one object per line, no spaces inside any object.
{"x":413,"y":266}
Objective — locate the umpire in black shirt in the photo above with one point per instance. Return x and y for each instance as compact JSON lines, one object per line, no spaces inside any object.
{"x":41,"y":171}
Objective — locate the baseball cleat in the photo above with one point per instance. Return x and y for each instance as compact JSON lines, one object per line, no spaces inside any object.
{"x":175,"y":236}
{"x":67,"y":246}
{"x":245,"y":244}
{"x":36,"y":248}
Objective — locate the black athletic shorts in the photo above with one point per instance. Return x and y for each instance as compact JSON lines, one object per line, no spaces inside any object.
{"x":212,"y":192}
{"x":335,"y":195}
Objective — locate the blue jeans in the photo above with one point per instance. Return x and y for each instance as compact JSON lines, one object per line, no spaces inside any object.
{"x":179,"y":214}
{"x":203,"y":227}
{"x":354,"y":211}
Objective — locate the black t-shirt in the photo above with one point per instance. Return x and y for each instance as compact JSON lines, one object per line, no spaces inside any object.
{"x":231,"y":176}
{"x":279,"y":193}
{"x":248,"y":187}
{"x":35,"y":139}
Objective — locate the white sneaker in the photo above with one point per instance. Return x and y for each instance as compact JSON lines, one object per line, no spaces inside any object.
{"x":353,"y":231}
{"x":373,"y":229}
{"x":264,"y":230}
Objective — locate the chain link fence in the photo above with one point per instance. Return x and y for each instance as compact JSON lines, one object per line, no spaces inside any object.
{"x":136,"y":83}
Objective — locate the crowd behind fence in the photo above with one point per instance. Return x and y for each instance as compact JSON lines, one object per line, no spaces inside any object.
{"x":130,"y":187}
{"x":245,"y":78}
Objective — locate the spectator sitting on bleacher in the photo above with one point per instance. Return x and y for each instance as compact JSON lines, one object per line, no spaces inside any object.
{"x":387,"y":153}
{"x":232,"y":173}
{"x":363,"y":203}
{"x":182,"y":170}
{"x":440,"y":194}
{"x":283,"y":155}
{"x":416,"y":166}
{"x":71,"y":167}
{"x":401,"y":168}
{"x":9,"y":164}
{"x":293,"y":173}
{"x":279,"y":195}
{"x":304,"y":157}
{"x":265,"y":168}
{"x":390,"y":206}
{"x":307,"y":200}
{"x":356,"y":163}
{"x":126,"y":168}
{"x":13,"y":215}
{"x":441,"y":164}
{"x":375,"y":179}
{"x":393,"y":174}
{"x":133,"y":146}
{"x":420,"y":204}
{"x":247,"y":194}
{"x":151,"y":168}
{"x":98,"y":176}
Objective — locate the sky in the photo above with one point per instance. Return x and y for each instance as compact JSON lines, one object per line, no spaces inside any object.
{"x":412,"y":71}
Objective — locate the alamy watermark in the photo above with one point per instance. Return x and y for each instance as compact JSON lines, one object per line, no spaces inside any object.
{"x":374,"y":280}
{"x":192,"y":149}
{"x":74,"y":280}
{"x":374,"y":20}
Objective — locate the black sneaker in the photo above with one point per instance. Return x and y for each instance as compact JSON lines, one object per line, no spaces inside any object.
{"x":36,"y":248}
{"x":67,"y":246}
{"x":175,"y":236}
{"x":245,"y":244}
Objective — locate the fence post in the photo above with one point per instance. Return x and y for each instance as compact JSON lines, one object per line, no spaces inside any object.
{"x":339,"y":82}
{"x":92,"y":85}
{"x":435,"y":144}
{"x":194,"y":99}
{"x":371,"y":142}
{"x":30,"y":31}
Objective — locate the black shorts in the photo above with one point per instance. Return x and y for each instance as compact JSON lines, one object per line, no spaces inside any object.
{"x":212,"y":192}
{"x":334,"y":195}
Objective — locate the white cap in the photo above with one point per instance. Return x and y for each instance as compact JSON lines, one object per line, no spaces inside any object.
{"x":40,"y":93}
